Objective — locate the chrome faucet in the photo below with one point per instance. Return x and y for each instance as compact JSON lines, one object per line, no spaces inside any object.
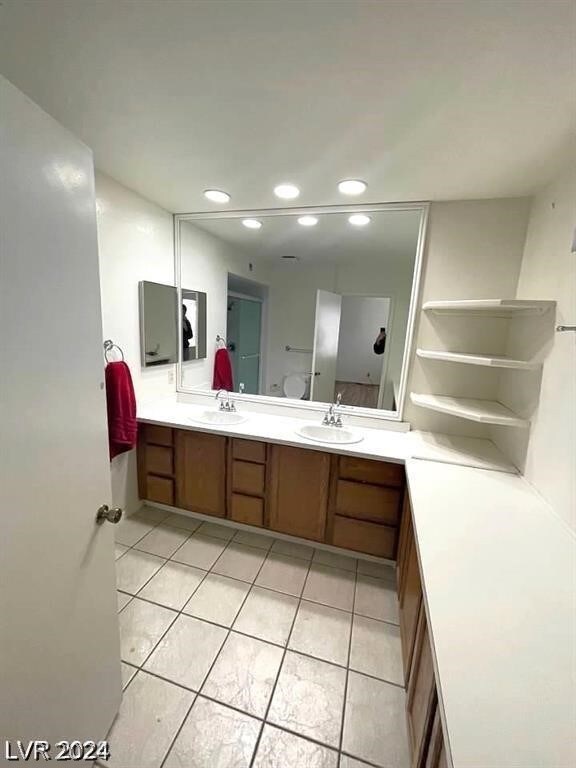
{"x":229,"y":404}
{"x":332,"y":416}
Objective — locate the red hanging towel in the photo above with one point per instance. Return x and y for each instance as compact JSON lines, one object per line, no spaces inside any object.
{"x":121,"y":403}
{"x":222,"y":371}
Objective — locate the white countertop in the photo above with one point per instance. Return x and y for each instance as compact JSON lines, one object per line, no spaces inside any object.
{"x":499,"y":578}
{"x":377,"y":443}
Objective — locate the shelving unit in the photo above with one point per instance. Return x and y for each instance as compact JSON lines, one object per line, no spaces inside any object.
{"x":493,"y":307}
{"x":482,"y":411}
{"x":487,"y":411}
{"x":490,"y":361}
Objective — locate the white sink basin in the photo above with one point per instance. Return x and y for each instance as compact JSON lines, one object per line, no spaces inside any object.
{"x":215,"y":416}
{"x":321,"y":433}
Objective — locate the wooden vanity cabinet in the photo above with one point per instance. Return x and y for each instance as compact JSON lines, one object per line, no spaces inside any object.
{"x":156,"y":463}
{"x":409,"y":588}
{"x":365,"y":505}
{"x":341,"y":500}
{"x":422,"y":708}
{"x":200,"y":472}
{"x":247,"y":481}
{"x":299,"y":487}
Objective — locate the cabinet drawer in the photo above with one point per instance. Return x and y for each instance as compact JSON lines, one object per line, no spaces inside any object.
{"x":160,"y":489}
{"x":367,"y":471}
{"x":158,"y":435}
{"x":368,"y":502}
{"x":249,"y":450}
{"x":365,"y":537}
{"x":247,"y":477}
{"x":247,"y":509}
{"x":159,"y":460}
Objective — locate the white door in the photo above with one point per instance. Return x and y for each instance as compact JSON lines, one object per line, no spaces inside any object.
{"x":325,"y":353}
{"x":59,"y":646}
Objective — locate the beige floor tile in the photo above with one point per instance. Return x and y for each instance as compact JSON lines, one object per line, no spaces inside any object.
{"x":334,"y":560}
{"x":309,"y":697}
{"x":187,"y":651}
{"x":130,"y":530}
{"x":183,"y":521}
{"x":253,"y":539}
{"x":330,"y":586}
{"x":152,"y":514}
{"x":279,"y":749}
{"x":375,"y":722}
{"x":173,"y":585}
{"x":376,"y":649}
{"x":244,"y":674}
{"x":163,"y":540}
{"x":267,"y":615}
{"x":123,"y":600}
{"x":224,"y":532}
{"x":119,"y":550}
{"x":142,"y":625}
{"x":284,"y":574}
{"x":134,"y":569}
{"x":322,"y":632}
{"x":217,"y":599}
{"x":151,"y":713}
{"x":350,"y":762}
{"x":377,"y":570}
{"x":292,"y":549}
{"x":200,"y":551}
{"x":240,"y":562}
{"x":128,"y":673}
{"x":376,"y":598}
{"x":214,"y":736}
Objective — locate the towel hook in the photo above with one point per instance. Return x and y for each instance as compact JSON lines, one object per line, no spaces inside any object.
{"x":108,"y":347}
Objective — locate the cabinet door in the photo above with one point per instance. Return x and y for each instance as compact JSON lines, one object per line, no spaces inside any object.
{"x":201,"y":472}
{"x":299,"y":483}
{"x":410,"y":590}
{"x":422,"y":698}
{"x":436,"y":753}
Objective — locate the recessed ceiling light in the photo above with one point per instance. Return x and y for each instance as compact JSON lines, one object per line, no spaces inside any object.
{"x":352,"y":187}
{"x":216,"y":196}
{"x":252,"y":223}
{"x":307,"y":221}
{"x":286,"y":191}
{"x":359,"y":219}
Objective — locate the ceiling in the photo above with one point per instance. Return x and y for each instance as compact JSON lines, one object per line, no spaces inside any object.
{"x":389,"y":237}
{"x":424,"y":99}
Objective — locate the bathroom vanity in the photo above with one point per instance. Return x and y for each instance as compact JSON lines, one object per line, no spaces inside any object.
{"x":465,"y":532}
{"x":340,"y":500}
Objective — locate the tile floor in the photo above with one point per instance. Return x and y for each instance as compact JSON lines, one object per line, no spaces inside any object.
{"x":243,"y":651}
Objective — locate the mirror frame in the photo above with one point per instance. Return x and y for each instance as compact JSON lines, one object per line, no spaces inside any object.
{"x":317,"y":407}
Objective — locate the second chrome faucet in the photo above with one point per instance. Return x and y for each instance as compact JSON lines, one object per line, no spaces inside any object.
{"x":332,"y":416}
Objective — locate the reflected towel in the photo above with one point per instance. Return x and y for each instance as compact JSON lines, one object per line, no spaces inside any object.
{"x":222,"y":371}
{"x":121,"y":403}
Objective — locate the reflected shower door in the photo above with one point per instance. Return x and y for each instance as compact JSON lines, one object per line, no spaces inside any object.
{"x":244,"y":333}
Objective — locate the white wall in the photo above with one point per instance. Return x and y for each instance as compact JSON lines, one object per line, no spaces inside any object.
{"x":360,"y":322}
{"x":291,"y":318}
{"x":547,"y":453}
{"x":474,"y":250}
{"x":135,"y":241}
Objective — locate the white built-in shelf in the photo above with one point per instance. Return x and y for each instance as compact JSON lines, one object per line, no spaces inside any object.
{"x":491,"y":361}
{"x":483,"y":411}
{"x":493,"y":307}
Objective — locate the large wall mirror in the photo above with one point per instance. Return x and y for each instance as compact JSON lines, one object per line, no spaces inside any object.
{"x":310,"y":304}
